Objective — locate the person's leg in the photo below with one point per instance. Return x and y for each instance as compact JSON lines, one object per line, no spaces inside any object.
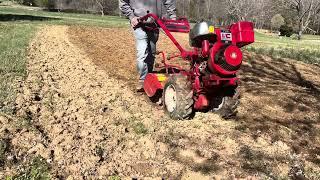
{"x":142,"y":52}
{"x":152,"y":48}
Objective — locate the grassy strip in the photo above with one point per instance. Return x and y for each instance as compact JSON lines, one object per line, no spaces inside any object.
{"x":38,"y":16}
{"x":305,"y":55}
{"x":306,"y":50}
{"x":37,"y":169}
{"x":14,"y":40}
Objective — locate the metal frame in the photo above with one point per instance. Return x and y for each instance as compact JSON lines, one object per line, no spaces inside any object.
{"x":242,"y":34}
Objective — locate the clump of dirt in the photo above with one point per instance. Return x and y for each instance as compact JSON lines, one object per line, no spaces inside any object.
{"x":90,"y":124}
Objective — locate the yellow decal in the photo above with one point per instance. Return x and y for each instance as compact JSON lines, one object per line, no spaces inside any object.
{"x":211,"y":29}
{"x":161,"y":77}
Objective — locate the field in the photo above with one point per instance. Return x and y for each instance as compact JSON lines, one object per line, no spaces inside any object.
{"x":269,"y":44}
{"x":71,"y":111}
{"x":38,"y":16}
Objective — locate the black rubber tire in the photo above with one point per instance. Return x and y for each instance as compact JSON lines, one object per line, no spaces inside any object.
{"x":229,"y":104}
{"x":184,"y":97}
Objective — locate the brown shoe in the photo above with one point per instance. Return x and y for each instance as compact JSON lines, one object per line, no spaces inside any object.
{"x":139,"y":87}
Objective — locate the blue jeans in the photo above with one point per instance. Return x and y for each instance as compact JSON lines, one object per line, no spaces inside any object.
{"x":146,"y":50}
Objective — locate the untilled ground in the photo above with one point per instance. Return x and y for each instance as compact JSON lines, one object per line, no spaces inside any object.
{"x":85,"y":120}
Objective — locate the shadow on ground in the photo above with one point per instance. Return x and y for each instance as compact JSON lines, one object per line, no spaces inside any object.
{"x":283,"y":101}
{"x":15,"y":17}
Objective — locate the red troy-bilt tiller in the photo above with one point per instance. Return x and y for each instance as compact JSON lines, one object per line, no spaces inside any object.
{"x":210,"y":83}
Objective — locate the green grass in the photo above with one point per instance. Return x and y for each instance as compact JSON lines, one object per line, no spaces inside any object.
{"x":140,"y":129}
{"x":306,"y":50}
{"x":14,"y":40}
{"x":114,"y":178}
{"x":38,"y":169}
{"x":31,"y":15}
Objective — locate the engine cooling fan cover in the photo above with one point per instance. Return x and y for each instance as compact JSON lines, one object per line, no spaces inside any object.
{"x":226,"y":60}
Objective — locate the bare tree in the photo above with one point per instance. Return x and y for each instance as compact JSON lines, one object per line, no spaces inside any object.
{"x":106,"y":6}
{"x":302,"y":14}
{"x":305,"y":10}
{"x":240,"y":9}
{"x":317,"y":23}
{"x":100,"y":4}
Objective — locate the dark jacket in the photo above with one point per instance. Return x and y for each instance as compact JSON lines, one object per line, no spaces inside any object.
{"x":139,"y":8}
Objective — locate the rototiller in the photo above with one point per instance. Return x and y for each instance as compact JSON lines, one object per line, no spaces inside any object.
{"x":210,"y":82}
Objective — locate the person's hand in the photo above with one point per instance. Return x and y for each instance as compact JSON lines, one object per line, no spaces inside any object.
{"x":134,"y":22}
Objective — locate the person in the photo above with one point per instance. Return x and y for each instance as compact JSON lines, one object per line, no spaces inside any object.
{"x":146,"y":39}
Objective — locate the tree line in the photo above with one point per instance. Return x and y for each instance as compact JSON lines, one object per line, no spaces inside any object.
{"x":302,"y":16}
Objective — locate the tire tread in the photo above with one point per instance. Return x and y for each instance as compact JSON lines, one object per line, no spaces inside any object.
{"x":185,"y":100}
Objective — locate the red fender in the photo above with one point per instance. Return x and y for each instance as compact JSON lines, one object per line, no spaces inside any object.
{"x":152,"y":84}
{"x":201,"y":103}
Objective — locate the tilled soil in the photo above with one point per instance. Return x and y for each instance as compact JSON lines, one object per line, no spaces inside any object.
{"x":90,"y":124}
